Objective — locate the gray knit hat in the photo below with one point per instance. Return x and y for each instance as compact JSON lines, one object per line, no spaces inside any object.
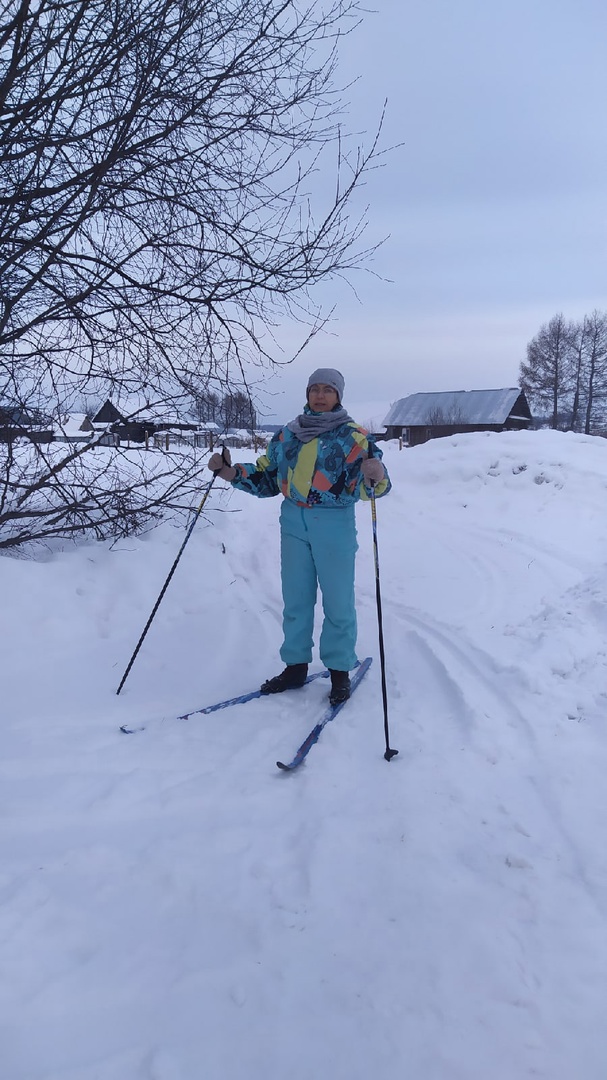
{"x":328,"y":376}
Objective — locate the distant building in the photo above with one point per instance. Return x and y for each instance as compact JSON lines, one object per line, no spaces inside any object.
{"x":138,"y":425}
{"x":420,"y":417}
{"x":108,"y":414}
{"x":16,"y":423}
{"x":73,"y":428}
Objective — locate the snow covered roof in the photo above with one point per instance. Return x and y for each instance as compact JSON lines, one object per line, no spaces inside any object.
{"x":74,"y":425}
{"x":143,"y":411}
{"x":455,"y":406}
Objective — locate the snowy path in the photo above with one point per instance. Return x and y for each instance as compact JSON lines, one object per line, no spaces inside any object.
{"x":172,"y":907}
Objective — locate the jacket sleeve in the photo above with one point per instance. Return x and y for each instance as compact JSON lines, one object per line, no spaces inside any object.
{"x":260,"y":479}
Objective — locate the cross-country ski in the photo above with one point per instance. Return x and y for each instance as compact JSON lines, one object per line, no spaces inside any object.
{"x":329,"y":714}
{"x":239,"y":699}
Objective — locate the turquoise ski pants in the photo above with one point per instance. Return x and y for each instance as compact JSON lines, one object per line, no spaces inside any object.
{"x":318,"y":547}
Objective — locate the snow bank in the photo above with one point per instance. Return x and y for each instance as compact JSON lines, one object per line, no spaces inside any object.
{"x":173,"y":908}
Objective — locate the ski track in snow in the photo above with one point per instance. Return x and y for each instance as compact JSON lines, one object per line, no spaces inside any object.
{"x":172,"y":907}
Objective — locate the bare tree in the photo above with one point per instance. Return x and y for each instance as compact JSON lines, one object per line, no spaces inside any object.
{"x":578,"y":342}
{"x":545,"y":376}
{"x":595,"y":363}
{"x":237,"y":411}
{"x":206,"y":407}
{"x":163,"y":193}
{"x":566,"y":371}
{"x":101,"y":493}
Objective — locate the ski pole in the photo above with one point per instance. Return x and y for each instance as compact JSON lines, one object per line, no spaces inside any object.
{"x":389,"y":754}
{"x":166,"y":584}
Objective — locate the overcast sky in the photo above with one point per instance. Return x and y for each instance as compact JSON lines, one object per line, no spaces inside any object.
{"x":495,"y":205}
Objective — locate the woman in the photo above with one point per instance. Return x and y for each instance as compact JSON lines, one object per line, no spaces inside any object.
{"x":322,"y":463}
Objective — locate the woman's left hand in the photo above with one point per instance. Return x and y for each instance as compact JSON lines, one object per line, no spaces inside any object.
{"x":372,"y":470}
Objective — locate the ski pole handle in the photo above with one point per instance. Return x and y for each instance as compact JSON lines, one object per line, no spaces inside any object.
{"x":226,"y":461}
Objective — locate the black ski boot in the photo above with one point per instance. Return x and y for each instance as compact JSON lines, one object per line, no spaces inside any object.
{"x":293,"y":676}
{"x":340,"y":687}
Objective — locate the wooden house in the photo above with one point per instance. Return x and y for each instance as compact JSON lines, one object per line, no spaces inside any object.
{"x":420,"y":417}
{"x":17,"y":423}
{"x":138,"y":424}
{"x":74,"y":428}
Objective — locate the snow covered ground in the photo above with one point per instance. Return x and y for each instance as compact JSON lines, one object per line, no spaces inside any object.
{"x":172,"y":907}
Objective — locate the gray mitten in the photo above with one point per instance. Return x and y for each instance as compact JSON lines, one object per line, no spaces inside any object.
{"x":220,"y":465}
{"x":372,"y":470}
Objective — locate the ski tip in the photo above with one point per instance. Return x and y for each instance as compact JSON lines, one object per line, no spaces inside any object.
{"x":281,"y":765}
{"x":389,"y":754}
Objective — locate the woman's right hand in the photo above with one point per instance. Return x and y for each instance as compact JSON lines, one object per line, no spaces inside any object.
{"x":220,"y":465}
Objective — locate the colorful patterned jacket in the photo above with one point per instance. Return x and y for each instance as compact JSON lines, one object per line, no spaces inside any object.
{"x":322,"y":472}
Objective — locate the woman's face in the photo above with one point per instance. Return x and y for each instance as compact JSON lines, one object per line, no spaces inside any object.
{"x":322,"y":398}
